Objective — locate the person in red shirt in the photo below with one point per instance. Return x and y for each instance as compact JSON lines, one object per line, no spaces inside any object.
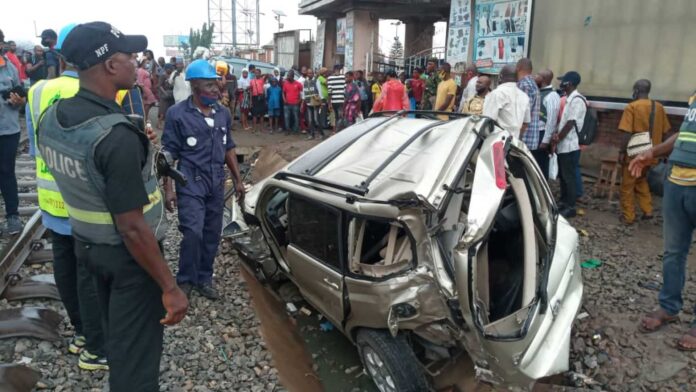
{"x":417,"y":89}
{"x":12,"y":56}
{"x":292,"y":90}
{"x":394,"y":96}
{"x":258,"y":100}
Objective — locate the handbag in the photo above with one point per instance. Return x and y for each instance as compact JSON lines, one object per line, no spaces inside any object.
{"x":642,"y":141}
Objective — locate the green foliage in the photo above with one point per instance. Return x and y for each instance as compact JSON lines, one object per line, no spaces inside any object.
{"x":396,"y":53}
{"x":202,"y":37}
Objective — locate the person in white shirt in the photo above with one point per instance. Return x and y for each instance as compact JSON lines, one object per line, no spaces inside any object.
{"x":565,"y":141}
{"x":550,"y":109}
{"x":181,"y":88}
{"x":471,"y":76}
{"x":507,"y":104}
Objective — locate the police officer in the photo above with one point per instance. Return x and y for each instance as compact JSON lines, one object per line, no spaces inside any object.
{"x":679,"y":212}
{"x":197,"y":134}
{"x":103,"y":166}
{"x":74,"y":282}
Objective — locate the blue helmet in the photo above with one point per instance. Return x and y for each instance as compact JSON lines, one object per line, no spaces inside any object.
{"x":201,"y":69}
{"x":63,"y":34}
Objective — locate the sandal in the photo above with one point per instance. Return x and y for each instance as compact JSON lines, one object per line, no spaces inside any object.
{"x":690,"y":336}
{"x":654,"y":321}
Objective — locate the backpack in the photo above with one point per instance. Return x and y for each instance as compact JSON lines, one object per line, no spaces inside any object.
{"x":588,"y":133}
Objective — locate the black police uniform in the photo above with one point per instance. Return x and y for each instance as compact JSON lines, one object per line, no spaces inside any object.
{"x":134,"y":334}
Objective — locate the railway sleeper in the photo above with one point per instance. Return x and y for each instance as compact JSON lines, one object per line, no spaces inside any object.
{"x":36,"y":286}
{"x":33,"y":322}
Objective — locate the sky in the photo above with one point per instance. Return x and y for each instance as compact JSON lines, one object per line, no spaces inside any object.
{"x":153,"y":18}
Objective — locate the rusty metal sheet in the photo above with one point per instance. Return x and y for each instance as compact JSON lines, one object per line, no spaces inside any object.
{"x":38,"y":323}
{"x":37,"y":286}
{"x":268,"y":162}
{"x":17,"y":378}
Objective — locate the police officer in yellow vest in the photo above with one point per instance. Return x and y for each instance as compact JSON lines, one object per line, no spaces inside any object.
{"x":74,"y":282}
{"x":103,"y":166}
{"x":679,"y":212}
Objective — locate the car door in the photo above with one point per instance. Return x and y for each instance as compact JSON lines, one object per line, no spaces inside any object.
{"x":531,"y":339}
{"x":315,"y":254}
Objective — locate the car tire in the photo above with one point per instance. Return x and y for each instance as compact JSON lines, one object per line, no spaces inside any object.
{"x":390,"y":362}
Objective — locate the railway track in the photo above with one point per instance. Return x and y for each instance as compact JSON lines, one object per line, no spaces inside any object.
{"x":22,"y":284}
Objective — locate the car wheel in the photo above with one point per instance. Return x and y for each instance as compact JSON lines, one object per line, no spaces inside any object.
{"x":390,"y":362}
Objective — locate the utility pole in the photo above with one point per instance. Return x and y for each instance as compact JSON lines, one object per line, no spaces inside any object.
{"x":258,"y":26}
{"x":234,"y":26}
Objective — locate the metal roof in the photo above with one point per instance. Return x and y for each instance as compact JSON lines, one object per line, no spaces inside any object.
{"x":389,"y":158}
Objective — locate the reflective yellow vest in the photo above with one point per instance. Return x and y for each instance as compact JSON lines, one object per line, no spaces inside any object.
{"x":42,"y":95}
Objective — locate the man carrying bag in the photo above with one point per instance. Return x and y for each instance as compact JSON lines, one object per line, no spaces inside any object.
{"x":645,"y":123}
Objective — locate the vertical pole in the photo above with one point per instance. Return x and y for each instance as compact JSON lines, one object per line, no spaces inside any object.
{"x":258,"y":25}
{"x":234,"y":26}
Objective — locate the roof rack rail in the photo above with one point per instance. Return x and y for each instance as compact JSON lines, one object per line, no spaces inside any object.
{"x":363,"y":188}
{"x":314,"y":170}
{"x":352,"y":189}
{"x":365,"y":184}
{"x":422,"y":113}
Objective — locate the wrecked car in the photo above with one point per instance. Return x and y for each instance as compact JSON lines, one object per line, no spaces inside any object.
{"x":421,"y":239}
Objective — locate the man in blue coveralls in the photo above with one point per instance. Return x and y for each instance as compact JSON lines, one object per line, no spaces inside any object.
{"x":197,"y":134}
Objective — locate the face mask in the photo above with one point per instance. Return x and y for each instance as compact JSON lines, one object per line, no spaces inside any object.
{"x":441,"y":74}
{"x":635,"y":95}
{"x":207,"y":100}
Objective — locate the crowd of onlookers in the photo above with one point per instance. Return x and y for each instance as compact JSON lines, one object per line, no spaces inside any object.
{"x":546,"y":119}
{"x":303,"y":100}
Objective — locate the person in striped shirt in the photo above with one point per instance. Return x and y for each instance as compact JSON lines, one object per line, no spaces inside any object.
{"x":337,"y":89}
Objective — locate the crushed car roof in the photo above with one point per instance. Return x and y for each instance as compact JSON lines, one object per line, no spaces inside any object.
{"x":390,"y":158}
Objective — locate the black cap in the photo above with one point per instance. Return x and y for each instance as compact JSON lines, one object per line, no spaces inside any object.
{"x":338,"y":67}
{"x":571,"y":77}
{"x":49,"y":33}
{"x":89,"y":44}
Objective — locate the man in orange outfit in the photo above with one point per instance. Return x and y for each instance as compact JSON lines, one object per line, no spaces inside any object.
{"x":637,"y":118}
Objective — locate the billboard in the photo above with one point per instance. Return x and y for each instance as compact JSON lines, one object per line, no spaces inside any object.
{"x":458,"y":35}
{"x":501,"y":31}
{"x":340,"y":35}
{"x":174,"y":41}
{"x":319,"y":46}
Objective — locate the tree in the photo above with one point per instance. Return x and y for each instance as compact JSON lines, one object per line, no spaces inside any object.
{"x":396,"y":53}
{"x":202,"y":37}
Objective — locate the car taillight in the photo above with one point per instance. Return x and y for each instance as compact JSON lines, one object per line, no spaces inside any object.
{"x":499,"y":164}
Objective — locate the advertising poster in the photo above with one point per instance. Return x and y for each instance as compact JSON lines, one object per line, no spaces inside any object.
{"x":318,"y":60}
{"x":348,"y":58}
{"x":340,"y":36}
{"x":500,"y":32}
{"x":458,"y":35}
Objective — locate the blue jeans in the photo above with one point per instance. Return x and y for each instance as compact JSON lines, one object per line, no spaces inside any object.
{"x":292,"y":117}
{"x":679,"y":209}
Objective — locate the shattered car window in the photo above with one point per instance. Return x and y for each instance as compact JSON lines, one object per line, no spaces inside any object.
{"x":314,"y":229}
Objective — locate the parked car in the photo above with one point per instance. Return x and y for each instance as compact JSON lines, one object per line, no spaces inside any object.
{"x":420,"y":239}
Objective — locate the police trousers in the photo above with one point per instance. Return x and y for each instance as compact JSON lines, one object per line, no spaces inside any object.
{"x":8,"y":179}
{"x":131,"y":304}
{"x":200,"y":204}
{"x":78,"y":293}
